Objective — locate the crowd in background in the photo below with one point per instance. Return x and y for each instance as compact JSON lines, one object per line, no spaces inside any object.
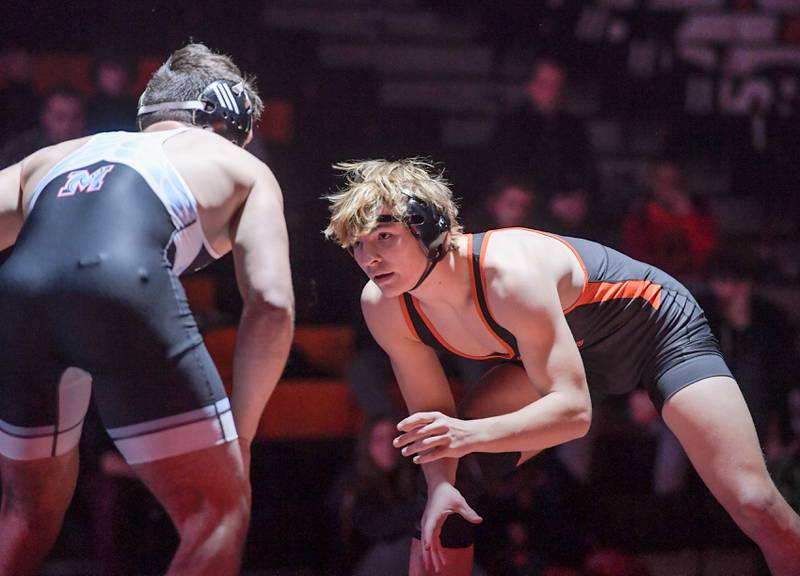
{"x":568,"y":512}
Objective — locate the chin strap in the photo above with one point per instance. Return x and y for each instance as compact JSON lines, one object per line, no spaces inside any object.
{"x":432,"y":262}
{"x":428,"y":270}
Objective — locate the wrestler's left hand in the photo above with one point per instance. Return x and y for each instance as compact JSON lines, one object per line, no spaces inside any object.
{"x":429,"y":436}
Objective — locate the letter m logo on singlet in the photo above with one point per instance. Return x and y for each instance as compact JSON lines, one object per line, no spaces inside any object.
{"x":84,"y":181}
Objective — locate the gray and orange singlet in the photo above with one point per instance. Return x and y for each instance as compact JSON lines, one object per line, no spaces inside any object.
{"x":633,"y":323}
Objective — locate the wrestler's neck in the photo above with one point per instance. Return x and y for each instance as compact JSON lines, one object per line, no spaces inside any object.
{"x":450,"y":282}
{"x":167,"y":125}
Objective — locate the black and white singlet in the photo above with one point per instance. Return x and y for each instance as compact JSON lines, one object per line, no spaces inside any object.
{"x":90,"y":301}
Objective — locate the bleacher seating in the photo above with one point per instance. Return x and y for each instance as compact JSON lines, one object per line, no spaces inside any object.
{"x":302,"y":408}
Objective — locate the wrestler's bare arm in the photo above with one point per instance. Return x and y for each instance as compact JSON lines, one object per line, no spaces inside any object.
{"x":261,"y":260}
{"x":419,"y":373}
{"x":524,"y":299}
{"x":425,"y":388}
{"x":10,"y":205}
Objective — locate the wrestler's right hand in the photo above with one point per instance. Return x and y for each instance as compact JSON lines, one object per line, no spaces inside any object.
{"x":443,"y":500}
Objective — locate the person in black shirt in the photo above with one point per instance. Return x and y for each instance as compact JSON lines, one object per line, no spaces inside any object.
{"x":539,"y":139}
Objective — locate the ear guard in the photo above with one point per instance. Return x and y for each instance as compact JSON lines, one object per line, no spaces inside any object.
{"x":222,"y":106}
{"x":427,"y":225}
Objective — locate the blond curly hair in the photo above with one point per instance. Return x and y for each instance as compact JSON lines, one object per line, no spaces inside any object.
{"x":374,"y":186}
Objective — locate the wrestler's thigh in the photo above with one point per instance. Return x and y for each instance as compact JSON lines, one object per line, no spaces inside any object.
{"x":503,"y":389}
{"x":210,"y":479}
{"x":713,"y":424}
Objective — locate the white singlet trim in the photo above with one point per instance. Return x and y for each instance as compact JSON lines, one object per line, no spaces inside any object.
{"x":174,"y":435}
{"x":32,"y":443}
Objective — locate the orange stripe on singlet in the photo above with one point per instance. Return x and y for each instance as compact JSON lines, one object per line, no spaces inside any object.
{"x":418,"y":309}
{"x":406,"y":315}
{"x":605,"y":291}
{"x":594,"y":292}
{"x":441,"y":340}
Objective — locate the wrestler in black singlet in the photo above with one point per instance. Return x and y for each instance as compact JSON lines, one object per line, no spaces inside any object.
{"x":91,"y":284}
{"x":633,"y":324}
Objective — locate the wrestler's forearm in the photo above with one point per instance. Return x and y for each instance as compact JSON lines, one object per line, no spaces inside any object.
{"x":262,"y":347}
{"x":553,"y":419}
{"x":438,"y":471}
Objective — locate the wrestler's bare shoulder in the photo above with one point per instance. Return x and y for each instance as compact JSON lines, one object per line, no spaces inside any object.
{"x":515,"y":251}
{"x":384,"y":318}
{"x":45,"y":158}
{"x":36,"y":166}
{"x":197,"y":149}
{"x":517,"y":259}
{"x":219,"y":173}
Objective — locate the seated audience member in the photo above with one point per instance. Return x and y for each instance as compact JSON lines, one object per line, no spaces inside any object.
{"x":62,"y":117}
{"x":670,"y":229}
{"x":572,"y":211}
{"x":16,"y":91}
{"x":757,"y":340}
{"x":511,"y":203}
{"x":374,"y":503}
{"x":113,"y":105}
{"x":539,"y":139}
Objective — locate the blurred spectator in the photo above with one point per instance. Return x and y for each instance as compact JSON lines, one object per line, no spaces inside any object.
{"x":573,"y":211}
{"x":113,"y":106}
{"x":511,"y":203}
{"x":374,"y":503}
{"x":670,"y":230}
{"x":62,"y":117}
{"x":757,"y":340}
{"x":518,"y":556}
{"x":539,"y":139}
{"x":671,"y":465}
{"x":16,"y":91}
{"x":539,"y":517}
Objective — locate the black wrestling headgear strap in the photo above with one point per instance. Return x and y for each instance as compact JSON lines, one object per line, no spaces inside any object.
{"x":222,"y":106}
{"x":429,"y":227}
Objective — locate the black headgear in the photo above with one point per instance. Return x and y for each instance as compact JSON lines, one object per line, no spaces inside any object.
{"x":222,"y":106}
{"x":429,"y":227}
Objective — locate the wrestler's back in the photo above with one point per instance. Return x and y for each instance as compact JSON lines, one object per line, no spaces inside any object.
{"x":218,"y":173}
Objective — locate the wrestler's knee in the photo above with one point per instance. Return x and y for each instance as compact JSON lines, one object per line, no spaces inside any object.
{"x":215,"y":510}
{"x":756,"y":503}
{"x":202,"y":506}
{"x":233,"y":505}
